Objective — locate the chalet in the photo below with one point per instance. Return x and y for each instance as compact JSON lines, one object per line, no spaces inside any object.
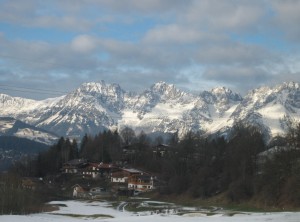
{"x":141,"y":183}
{"x":97,"y":170}
{"x":119,"y":177}
{"x":106,"y":169}
{"x":74,"y":166}
{"x":135,"y":180}
{"x":80,"y":191}
{"x":122,"y":175}
{"x":91,"y":170}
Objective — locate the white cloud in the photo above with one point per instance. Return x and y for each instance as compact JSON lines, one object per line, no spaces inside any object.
{"x":145,"y":6}
{"x":65,"y":23}
{"x":178,"y":34}
{"x":84,"y":43}
{"x":287,"y":17}
{"x":172,"y":37}
{"x":231,"y":53}
{"x":29,"y":13}
{"x":12,"y":11}
{"x":228,"y":15}
{"x":43,"y":57}
{"x":242,"y":78}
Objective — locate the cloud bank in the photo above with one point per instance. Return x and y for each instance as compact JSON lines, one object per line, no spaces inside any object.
{"x":194,"y":44}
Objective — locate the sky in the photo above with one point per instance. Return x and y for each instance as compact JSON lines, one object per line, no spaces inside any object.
{"x":53,"y":46}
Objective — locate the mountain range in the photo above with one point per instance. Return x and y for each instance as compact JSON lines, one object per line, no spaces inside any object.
{"x":162,"y":108}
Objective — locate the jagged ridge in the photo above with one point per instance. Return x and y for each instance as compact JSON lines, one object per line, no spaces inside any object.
{"x":161,"y":108}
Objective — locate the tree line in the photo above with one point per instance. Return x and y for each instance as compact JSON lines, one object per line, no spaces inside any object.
{"x":196,"y":165}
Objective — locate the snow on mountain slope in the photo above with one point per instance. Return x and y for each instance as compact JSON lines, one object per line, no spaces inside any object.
{"x":161,"y":108}
{"x":98,"y":106}
{"x":89,"y":109}
{"x":6,"y":124}
{"x":11,"y":106}
{"x":221,"y":104}
{"x":267,"y":107}
{"x":26,"y":110}
{"x":12,"y":127}
{"x":36,"y":135}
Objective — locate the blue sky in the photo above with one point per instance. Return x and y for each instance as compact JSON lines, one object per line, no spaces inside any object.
{"x":194,"y":44}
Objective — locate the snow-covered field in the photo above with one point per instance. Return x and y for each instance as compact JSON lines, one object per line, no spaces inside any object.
{"x":103,"y":211}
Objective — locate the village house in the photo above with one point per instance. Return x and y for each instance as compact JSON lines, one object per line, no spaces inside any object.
{"x":80,"y":191}
{"x":122,"y":175}
{"x":74,"y":166}
{"x":91,"y":170}
{"x":141,"y":183}
{"x":119,"y":177}
{"x":98,"y":170}
{"x":106,"y":169}
{"x":135,"y":180}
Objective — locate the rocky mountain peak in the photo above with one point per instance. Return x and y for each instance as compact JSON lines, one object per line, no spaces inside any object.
{"x":13,"y":101}
{"x":220,"y":94}
{"x":282,"y":93}
{"x":225,"y":93}
{"x":96,"y":93}
{"x":167,"y":90}
{"x":289,"y":85}
{"x":161,"y":87}
{"x":101,"y":87}
{"x":95,"y":106}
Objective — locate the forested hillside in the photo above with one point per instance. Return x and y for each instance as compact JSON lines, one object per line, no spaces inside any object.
{"x":241,"y":169}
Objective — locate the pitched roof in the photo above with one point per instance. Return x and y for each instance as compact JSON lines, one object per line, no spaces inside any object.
{"x":132,"y":170}
{"x":76,"y":162}
{"x":118,"y":174}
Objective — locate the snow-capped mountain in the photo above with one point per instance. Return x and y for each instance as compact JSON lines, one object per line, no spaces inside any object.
{"x":161,"y":108}
{"x":267,"y":107}
{"x":221,"y":103}
{"x":12,"y":127}
{"x":89,"y":109}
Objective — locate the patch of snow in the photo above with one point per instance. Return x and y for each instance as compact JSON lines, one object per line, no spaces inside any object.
{"x":93,"y":208}
{"x":35,"y":135}
{"x":6,"y":125}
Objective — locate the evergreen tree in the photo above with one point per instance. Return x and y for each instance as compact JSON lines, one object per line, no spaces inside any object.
{"x":83,"y":148}
{"x":74,"y":150}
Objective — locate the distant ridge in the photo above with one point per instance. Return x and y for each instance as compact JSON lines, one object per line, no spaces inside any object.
{"x":162,"y":108}
{"x":12,"y":127}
